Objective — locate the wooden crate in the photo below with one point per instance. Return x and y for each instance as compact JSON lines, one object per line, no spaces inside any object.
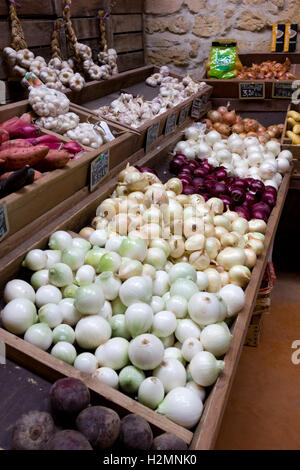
{"x":36,"y":199}
{"x":80,"y":214}
{"x":230,"y":88}
{"x":102,"y":94}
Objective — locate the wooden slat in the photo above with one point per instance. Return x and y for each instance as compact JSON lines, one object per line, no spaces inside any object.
{"x":128,"y":42}
{"x":37,"y":32}
{"x":86,"y":28}
{"x":81,"y":8}
{"x":132,"y":60}
{"x":29,"y":8}
{"x":127,"y":23}
{"x":128,"y":6}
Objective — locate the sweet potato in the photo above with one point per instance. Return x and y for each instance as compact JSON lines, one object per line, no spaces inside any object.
{"x":53,"y":160}
{"x":20,"y":143}
{"x":16,"y":157}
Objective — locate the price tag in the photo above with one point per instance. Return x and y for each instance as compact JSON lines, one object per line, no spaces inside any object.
{"x":197,"y":107}
{"x":170,"y":124}
{"x":282,"y":90}
{"x":98,"y":169}
{"x":152,"y":134}
{"x":252,"y":91}
{"x":183,"y":115}
{"x":4,"y":227}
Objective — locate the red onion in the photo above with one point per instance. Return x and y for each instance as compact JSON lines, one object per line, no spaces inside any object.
{"x":260,"y":214}
{"x":219,"y":188}
{"x":206,"y":196}
{"x":198,"y":181}
{"x":188,"y":189}
{"x":206,"y":166}
{"x":238,"y":195}
{"x":221,"y":174}
{"x":209,"y":185}
{"x":227,"y":201}
{"x":271,"y":189}
{"x":240,"y":183}
{"x":251,"y":199}
{"x":193,"y":165}
{"x":200,"y":172}
{"x":75,"y":147}
{"x":229,"y":180}
{"x":269,"y":198}
{"x":186,"y":180}
{"x":249,"y":181}
{"x":261,"y":206}
{"x":177,"y":162}
{"x":142,"y":169}
{"x":257,"y":186}
{"x":182,"y":174}
{"x":26,"y":132}
{"x":243,"y":212}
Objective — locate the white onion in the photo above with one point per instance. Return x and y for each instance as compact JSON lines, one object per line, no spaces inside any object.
{"x":107,"y":375}
{"x":89,"y":299}
{"x":212,"y":137}
{"x":86,"y":362}
{"x":146,"y":351}
{"x":234,"y":298}
{"x":18,"y":315}
{"x":92,"y":331}
{"x":204,"y":308}
{"x":151,"y":392}
{"x":139,"y":318}
{"x":273,"y":147}
{"x":198,"y":389}
{"x":60,"y":240}
{"x":85,"y":275}
{"x":283,"y":165}
{"x":47,"y":294}
{"x":205,"y":368}
{"x":182,"y":406}
{"x":190,"y":347}
{"x":64,"y":351}
{"x":136,"y":289}
{"x":186,"y":328}
{"x":40,"y":335}
{"x":35,"y":260}
{"x":215,"y":339}
{"x":50,"y":314}
{"x":113,"y":353}
{"x":286,"y":154}
{"x":164,"y":323}
{"x":171,"y":373}
{"x":70,"y":314}
{"x":17,"y":288}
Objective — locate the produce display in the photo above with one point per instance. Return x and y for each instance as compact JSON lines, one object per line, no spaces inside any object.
{"x":269,"y":70}
{"x":141,"y":299}
{"x":135,"y":112}
{"x":293,"y":127}
{"x":227,"y":122}
{"x":96,"y":427}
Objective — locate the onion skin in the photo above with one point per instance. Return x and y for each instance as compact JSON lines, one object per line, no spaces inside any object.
{"x":214,"y":116}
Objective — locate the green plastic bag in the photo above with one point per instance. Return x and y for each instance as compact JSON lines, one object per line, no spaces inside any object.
{"x":223,"y":60}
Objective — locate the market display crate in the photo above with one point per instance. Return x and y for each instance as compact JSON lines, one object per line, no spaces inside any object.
{"x":30,"y":202}
{"x":287,"y":144}
{"x":257,"y":90}
{"x":262,"y":306}
{"x":152,"y":132}
{"x":79,"y":215}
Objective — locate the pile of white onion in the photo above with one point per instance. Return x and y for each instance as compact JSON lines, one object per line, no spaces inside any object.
{"x":146,"y":292}
{"x":241,"y":157}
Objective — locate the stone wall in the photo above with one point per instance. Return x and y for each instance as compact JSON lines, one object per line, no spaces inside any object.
{"x":179,"y":32}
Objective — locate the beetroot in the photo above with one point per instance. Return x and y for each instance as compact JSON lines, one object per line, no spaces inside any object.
{"x":69,"y":396}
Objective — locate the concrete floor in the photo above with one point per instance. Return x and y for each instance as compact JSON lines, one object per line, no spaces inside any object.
{"x":263,"y":411}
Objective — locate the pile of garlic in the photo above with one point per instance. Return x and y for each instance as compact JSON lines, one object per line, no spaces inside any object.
{"x":53,"y":108}
{"x":240,"y":157}
{"x":58,"y":75}
{"x":135,"y":112}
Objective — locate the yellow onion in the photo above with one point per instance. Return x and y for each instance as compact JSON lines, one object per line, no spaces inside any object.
{"x":251,"y":258}
{"x":174,"y":184}
{"x":239,"y":275}
{"x":212,"y":247}
{"x":214,"y":280}
{"x":86,"y":232}
{"x":195,"y":243}
{"x":176,"y":246}
{"x":199,"y":260}
{"x":230,"y":257}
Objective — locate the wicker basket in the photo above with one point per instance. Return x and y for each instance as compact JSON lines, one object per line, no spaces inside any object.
{"x":262,"y":306}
